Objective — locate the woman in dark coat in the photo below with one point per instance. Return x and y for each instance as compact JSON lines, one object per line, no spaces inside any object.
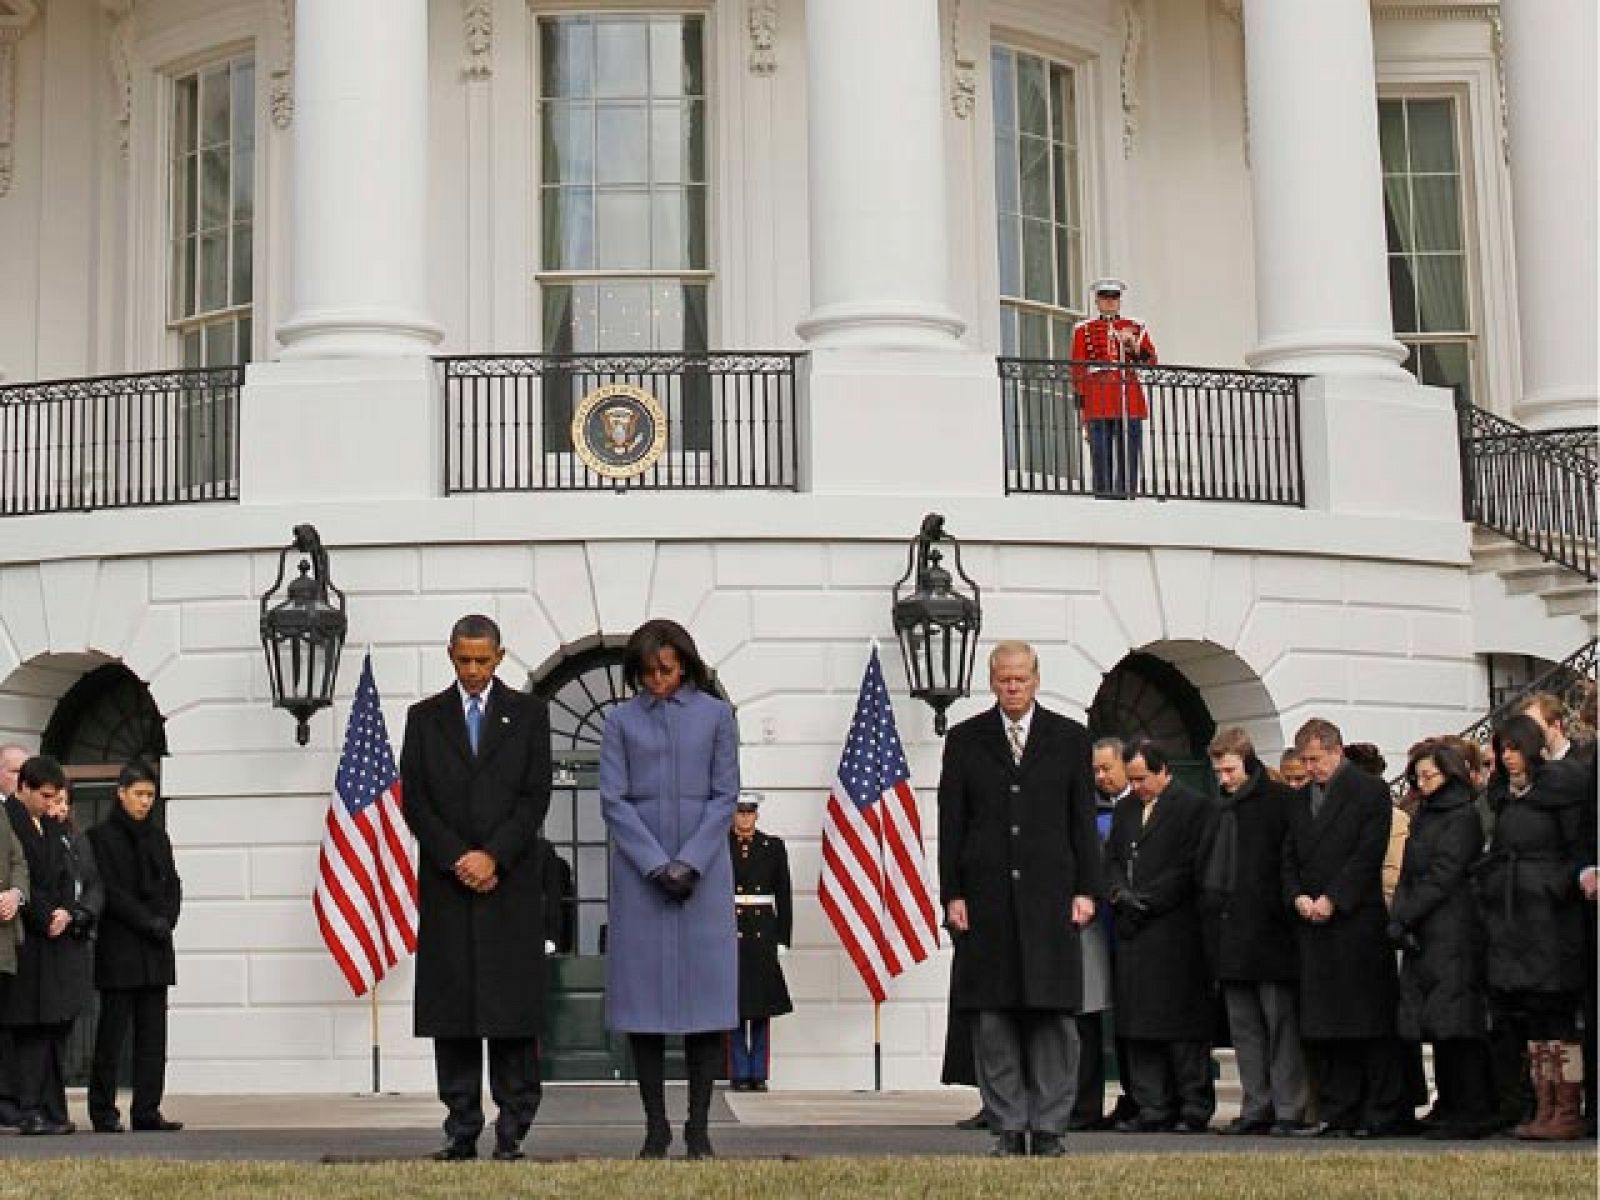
{"x":1435,"y":924}
{"x":1528,"y":889}
{"x":134,"y":962}
{"x":669,"y":776}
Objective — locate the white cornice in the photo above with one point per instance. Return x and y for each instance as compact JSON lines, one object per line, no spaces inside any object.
{"x":1436,"y":12}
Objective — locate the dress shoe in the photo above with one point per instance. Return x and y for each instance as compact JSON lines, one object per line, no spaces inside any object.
{"x":507,"y":1152}
{"x":697,"y":1143}
{"x":1242,"y":1126}
{"x":738,"y":1085}
{"x":156,"y":1124}
{"x":1192,"y":1125}
{"x":1009,"y":1145}
{"x":36,"y":1126}
{"x":1083,"y":1124}
{"x":456,"y":1150}
{"x":1145,"y":1125}
{"x":657,"y":1137}
{"x":1288,"y":1129}
{"x":114,"y":1125}
{"x":758,"y":1085}
{"x":978,"y":1120}
{"x":1047,"y":1145}
{"x":1322,"y":1129}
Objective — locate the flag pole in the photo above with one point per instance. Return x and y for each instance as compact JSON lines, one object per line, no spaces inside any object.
{"x":377,"y":1060}
{"x":877,"y":1045}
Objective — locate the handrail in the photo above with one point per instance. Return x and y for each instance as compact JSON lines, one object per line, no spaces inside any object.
{"x":1536,"y":487}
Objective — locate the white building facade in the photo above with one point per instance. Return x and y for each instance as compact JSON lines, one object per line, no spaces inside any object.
{"x":1389,"y":202}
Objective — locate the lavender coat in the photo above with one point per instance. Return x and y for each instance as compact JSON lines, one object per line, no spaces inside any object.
{"x":669,"y":775}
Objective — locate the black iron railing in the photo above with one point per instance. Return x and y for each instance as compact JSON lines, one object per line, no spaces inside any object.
{"x":1536,"y":487}
{"x":1572,"y":679}
{"x":120,"y":441}
{"x":1204,"y":434}
{"x":729,"y":420}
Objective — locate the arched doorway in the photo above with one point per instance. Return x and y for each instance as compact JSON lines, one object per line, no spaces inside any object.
{"x":1144,"y":696}
{"x":103,"y":721}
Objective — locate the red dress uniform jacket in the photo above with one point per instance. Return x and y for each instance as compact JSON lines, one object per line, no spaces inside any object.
{"x":1104,"y":390}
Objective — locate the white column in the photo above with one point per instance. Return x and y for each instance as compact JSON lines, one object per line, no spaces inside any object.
{"x":360,"y":182}
{"x":1551,"y":104}
{"x":1322,"y":288}
{"x":879,"y":262}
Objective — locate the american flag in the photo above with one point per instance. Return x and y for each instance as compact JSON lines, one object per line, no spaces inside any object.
{"x":366,"y":893}
{"x":874,"y":881}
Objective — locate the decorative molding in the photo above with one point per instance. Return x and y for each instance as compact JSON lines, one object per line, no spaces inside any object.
{"x":1133,"y":38}
{"x":119,"y":50}
{"x":761,"y":19}
{"x":280,"y":96}
{"x":1234,"y":11}
{"x":14,"y":22}
{"x":477,"y":27}
{"x":1489,"y":14}
{"x":1497,"y":39}
{"x":963,"y":70}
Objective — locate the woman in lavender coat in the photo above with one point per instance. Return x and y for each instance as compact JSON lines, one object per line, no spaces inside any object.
{"x":669,"y":776}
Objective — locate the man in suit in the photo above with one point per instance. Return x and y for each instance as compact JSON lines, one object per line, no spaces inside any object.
{"x":475,"y":779}
{"x":1019,"y":870}
{"x":1333,"y":879}
{"x":1163,"y":994}
{"x":14,"y":864}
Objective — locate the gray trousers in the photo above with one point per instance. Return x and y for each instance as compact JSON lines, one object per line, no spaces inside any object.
{"x":1263,"y":1019}
{"x":1027,"y":1064}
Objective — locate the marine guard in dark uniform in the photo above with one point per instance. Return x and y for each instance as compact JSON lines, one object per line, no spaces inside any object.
{"x":764,"y":903}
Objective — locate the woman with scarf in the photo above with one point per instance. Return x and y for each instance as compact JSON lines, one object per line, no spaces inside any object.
{"x":134,"y":964}
{"x":1435,"y":924}
{"x":1250,"y":937}
{"x":1528,"y":892}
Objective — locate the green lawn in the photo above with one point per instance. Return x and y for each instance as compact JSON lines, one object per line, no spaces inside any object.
{"x":1360,"y":1176}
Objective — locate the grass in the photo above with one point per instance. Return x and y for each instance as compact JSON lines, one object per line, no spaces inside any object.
{"x":1367,"y":1176}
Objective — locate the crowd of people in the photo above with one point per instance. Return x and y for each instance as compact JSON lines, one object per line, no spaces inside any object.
{"x":1305,"y":915}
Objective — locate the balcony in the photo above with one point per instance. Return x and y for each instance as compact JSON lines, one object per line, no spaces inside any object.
{"x":120,"y":441}
{"x":1206,"y":434}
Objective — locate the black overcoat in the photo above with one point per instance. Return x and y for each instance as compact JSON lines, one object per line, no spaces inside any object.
{"x":1442,"y":989}
{"x":143,"y":899}
{"x":55,"y":975}
{"x":480,"y":958}
{"x":761,"y":868}
{"x":1017,"y":842}
{"x":1250,"y":931}
{"x":1527,"y":885}
{"x":1162,"y":987}
{"x":1348,"y":983}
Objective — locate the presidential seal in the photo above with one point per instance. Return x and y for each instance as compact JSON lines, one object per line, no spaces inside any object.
{"x":619,"y":430}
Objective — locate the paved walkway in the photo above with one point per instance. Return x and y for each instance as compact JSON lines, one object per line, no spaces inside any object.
{"x":602,"y":1121}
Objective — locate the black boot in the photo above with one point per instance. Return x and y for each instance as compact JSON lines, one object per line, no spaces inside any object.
{"x":702,"y":1051}
{"x":649,"y":1060}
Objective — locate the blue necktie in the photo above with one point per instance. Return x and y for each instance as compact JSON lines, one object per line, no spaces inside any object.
{"x":474,"y":721}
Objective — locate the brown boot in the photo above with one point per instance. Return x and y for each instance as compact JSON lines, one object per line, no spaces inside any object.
{"x":1566,"y":1120}
{"x":1543,"y":1079}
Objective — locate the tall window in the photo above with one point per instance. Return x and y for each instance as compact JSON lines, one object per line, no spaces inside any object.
{"x":1038,"y":190}
{"x":622,"y":118}
{"x":213,"y":213}
{"x":1422,"y":189}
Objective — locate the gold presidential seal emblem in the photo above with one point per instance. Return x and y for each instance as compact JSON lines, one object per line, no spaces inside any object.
{"x":619,"y":430}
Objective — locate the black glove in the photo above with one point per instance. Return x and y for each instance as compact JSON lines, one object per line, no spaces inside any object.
{"x":1402,"y":938}
{"x":82,"y":923}
{"x":158,"y":928}
{"x":677,"y":880}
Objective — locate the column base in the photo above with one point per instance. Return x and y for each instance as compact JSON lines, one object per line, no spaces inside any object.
{"x":883,"y":327}
{"x":1556,"y":408}
{"x":1333,"y":352}
{"x":357,"y":333}
{"x":910,"y":423}
{"x":340,"y":429}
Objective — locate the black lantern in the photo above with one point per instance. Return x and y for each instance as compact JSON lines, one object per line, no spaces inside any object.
{"x":937,"y":625}
{"x":303,"y":632}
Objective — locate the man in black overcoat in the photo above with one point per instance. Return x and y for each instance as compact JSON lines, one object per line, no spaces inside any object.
{"x":1019,"y":870}
{"x":1333,"y":880}
{"x":1163,"y":1002}
{"x":1250,"y":936}
{"x":475,"y":787}
{"x":764,"y":904}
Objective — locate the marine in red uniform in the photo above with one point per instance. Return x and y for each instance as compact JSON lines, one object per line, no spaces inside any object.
{"x":1109,"y":394}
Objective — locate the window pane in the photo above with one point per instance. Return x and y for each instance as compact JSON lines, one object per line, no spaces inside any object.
{"x":1067,"y":90}
{"x":185,"y":100}
{"x":556,"y":320}
{"x":1402,"y":295}
{"x":624,"y":316}
{"x":622,"y":229}
{"x":1035,"y":330}
{"x":1005,"y":174}
{"x":213,"y":270}
{"x":669,"y":149}
{"x":244,"y":103}
{"x":1010,"y":257}
{"x":1072,"y":287}
{"x":1437,"y":211}
{"x":184,"y":195}
{"x":666,"y":316}
{"x":621,"y":57}
{"x":1036,"y":198}
{"x":192,"y":349}
{"x":1038,"y":253}
{"x":246,"y":350}
{"x":1002,"y":64}
{"x":214,"y":90}
{"x":696,"y":326}
{"x":191,"y":270}
{"x":566,"y":56}
{"x":244,"y":183}
{"x":242,"y":243}
{"x":692,"y":30}
{"x":568,"y":218}
{"x":182,"y":275}
{"x":219,"y":344}
{"x":1447,"y":364}
{"x":1392,"y":135}
{"x":567,"y":152}
{"x":669,"y":244}
{"x":1430,"y":128}
{"x":1008,"y":330}
{"x":1033,"y":103}
{"x":666,"y":56}
{"x":214,"y":187}
{"x":622,"y":144}
{"x":1442,"y":292}
{"x":1397,"y":212}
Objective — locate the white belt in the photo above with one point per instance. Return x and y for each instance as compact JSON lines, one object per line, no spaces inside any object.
{"x":755,"y":901}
